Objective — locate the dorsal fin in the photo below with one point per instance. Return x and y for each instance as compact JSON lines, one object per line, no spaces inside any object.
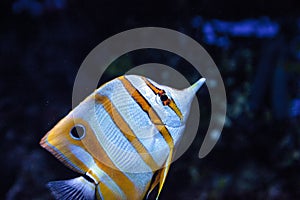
{"x":77,"y":188}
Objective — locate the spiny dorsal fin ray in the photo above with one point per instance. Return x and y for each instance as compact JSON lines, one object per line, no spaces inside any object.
{"x":77,"y":188}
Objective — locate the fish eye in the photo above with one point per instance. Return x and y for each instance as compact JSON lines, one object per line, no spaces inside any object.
{"x":77,"y":132}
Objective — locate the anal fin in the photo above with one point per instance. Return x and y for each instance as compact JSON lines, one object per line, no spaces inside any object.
{"x":77,"y":188}
{"x":160,"y":176}
{"x":154,"y":182}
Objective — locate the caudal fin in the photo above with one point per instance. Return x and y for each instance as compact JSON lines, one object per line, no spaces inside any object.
{"x":77,"y":188}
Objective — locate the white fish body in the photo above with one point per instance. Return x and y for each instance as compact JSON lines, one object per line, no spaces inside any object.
{"x":127,"y":131}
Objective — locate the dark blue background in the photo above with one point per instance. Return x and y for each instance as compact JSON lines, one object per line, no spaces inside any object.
{"x":255,"y":44}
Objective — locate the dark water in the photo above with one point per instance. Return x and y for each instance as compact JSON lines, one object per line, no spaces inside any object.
{"x":255,"y":44}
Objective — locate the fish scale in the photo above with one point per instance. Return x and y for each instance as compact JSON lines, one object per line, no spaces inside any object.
{"x":127,"y":132}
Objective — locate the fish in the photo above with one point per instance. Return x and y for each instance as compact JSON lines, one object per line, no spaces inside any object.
{"x":121,"y":139}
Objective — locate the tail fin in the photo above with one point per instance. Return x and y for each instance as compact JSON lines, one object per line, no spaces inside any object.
{"x":77,"y":188}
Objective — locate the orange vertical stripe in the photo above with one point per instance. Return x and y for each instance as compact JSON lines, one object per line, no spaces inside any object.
{"x":126,"y":130}
{"x":172,"y":103}
{"x":106,"y":192}
{"x":60,"y":135}
{"x":144,"y":104}
{"x":106,"y":164}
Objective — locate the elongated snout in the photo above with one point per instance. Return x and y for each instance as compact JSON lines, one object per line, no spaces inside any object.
{"x":184,"y":97}
{"x":195,"y":87}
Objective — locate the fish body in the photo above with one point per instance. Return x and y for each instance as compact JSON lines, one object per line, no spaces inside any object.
{"x":121,"y":139}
